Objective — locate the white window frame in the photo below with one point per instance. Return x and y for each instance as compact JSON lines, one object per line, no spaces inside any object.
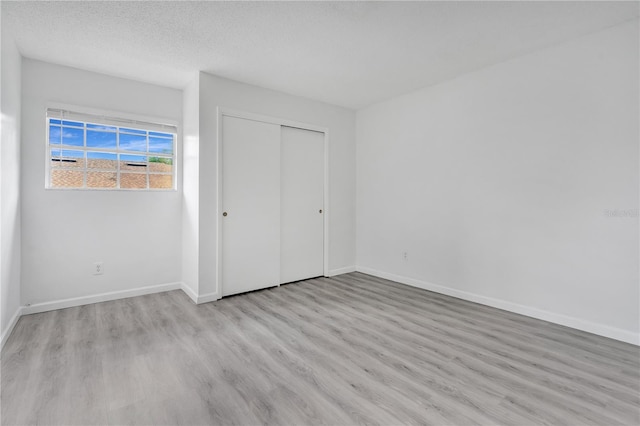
{"x":111,"y":119}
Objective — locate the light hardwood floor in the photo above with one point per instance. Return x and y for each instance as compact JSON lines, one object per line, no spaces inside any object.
{"x":345,"y":350}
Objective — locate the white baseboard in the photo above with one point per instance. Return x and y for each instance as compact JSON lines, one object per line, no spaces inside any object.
{"x":199,"y":299}
{"x":577,"y":323}
{"x":340,"y":271}
{"x":102,"y":297}
{"x":7,"y":331}
{"x":189,"y":292}
{"x":209,"y":297}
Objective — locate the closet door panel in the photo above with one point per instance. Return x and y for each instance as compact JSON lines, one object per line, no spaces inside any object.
{"x":251,"y":170}
{"x":302,"y":204}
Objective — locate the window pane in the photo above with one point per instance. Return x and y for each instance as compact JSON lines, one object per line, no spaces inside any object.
{"x":101,"y":127}
{"x":67,"y":178}
{"x":134,"y":131}
{"x":88,"y":155}
{"x":133,"y":180}
{"x":133,"y":142}
{"x":55,"y":134}
{"x":97,"y":139}
{"x":73,"y":123}
{"x":102,"y":179}
{"x":136,"y":163}
{"x":55,"y":158}
{"x":160,"y":145}
{"x":160,"y":164}
{"x":71,"y":159}
{"x":72,"y":136}
{"x":162,"y":135}
{"x":102,"y":160}
{"x":161,"y":181}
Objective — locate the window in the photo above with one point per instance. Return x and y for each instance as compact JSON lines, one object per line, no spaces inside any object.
{"x":96,"y":152}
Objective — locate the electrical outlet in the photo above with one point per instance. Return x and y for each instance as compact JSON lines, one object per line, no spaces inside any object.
{"x":405,"y":256}
{"x":98,"y":268}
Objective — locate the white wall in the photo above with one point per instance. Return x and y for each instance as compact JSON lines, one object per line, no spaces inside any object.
{"x":497,"y":185}
{"x":215,"y":92}
{"x":9,"y":187}
{"x":190,"y":178}
{"x":136,"y":234}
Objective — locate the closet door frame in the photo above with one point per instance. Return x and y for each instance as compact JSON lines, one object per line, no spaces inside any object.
{"x":228,"y":112}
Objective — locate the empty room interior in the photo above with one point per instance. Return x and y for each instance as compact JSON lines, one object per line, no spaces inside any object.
{"x":300,"y":213}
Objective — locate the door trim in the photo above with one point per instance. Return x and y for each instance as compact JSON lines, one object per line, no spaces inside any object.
{"x":228,"y":112}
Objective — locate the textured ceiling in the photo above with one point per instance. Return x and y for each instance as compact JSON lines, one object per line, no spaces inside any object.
{"x":345,"y":53}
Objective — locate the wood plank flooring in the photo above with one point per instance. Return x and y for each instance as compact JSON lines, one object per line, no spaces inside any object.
{"x":352,"y":349}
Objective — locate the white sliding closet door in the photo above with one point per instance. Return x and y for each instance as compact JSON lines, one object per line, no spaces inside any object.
{"x":302,"y":205}
{"x":251,"y":200}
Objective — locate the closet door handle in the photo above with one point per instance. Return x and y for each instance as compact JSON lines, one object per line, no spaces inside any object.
{"x":224,"y":214}
{"x":320,"y":211}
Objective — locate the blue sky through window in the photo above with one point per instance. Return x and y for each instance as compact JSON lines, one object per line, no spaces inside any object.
{"x":161,"y":135}
{"x":72,"y":154}
{"x":73,"y":133}
{"x":55,"y":134}
{"x":101,"y":156}
{"x":89,"y":135}
{"x":133,"y":131}
{"x":72,"y":136}
{"x":133,"y":142}
{"x":133,"y":158}
{"x":72,"y":123}
{"x":98,"y":139}
{"x":101,"y":127}
{"x":160,"y":145}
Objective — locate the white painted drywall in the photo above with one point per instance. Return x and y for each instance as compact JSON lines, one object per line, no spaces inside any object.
{"x":190,"y":179}
{"x":136,"y":234}
{"x":498,"y":184}
{"x":10,"y":186}
{"x":219,"y":92}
